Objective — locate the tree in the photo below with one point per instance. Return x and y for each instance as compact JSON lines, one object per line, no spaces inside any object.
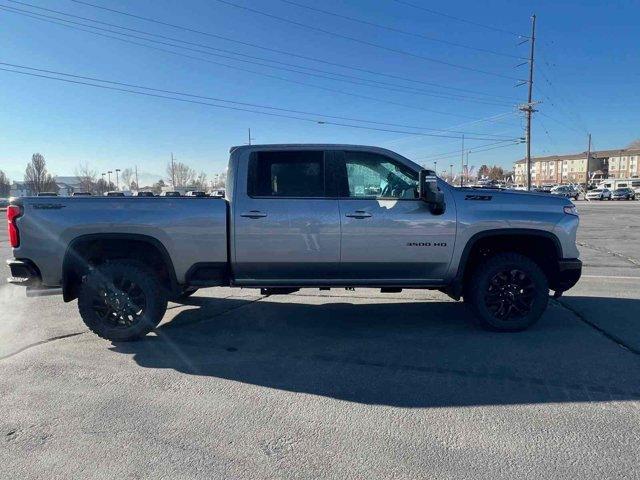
{"x":496,"y":173}
{"x":126,"y":175}
{"x":219,"y":180}
{"x":36,"y":177}
{"x":87,"y":178}
{"x":200,"y":183}
{"x":5,"y":185}
{"x":180,"y":174}
{"x":157,"y":187}
{"x":483,"y":171}
{"x":635,"y":143}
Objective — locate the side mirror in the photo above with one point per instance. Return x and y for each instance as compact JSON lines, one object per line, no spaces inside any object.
{"x":429,"y":192}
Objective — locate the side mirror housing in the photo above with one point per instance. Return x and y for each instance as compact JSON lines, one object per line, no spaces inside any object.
{"x":429,"y":192}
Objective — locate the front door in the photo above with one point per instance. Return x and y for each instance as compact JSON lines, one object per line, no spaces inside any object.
{"x":286,"y":220}
{"x":389,"y":235}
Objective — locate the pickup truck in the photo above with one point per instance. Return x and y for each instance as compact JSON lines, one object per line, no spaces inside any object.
{"x":299,"y":216}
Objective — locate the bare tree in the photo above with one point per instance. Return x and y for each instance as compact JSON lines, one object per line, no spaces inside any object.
{"x":483,"y":171}
{"x":180,"y":173}
{"x":5,"y":186}
{"x":126,"y":175}
{"x":36,"y":177}
{"x":200,"y":183}
{"x":635,"y":144}
{"x":87,"y":178}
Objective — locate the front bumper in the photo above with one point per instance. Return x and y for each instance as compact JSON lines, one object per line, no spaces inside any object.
{"x":569,"y":272}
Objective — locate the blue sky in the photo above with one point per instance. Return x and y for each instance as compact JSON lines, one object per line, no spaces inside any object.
{"x":587,"y":78}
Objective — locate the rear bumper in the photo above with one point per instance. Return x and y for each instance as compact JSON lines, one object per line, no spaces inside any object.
{"x":24,"y":272}
{"x":569,"y":272}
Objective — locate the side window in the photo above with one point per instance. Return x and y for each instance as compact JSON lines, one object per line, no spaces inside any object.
{"x":370,"y":175}
{"x":287,"y":174}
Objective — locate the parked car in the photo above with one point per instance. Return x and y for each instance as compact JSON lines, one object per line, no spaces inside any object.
{"x":599,"y":194}
{"x":47,"y":194}
{"x":144,"y":194}
{"x":4,"y":202}
{"x":300,"y":216}
{"x":219,"y":193}
{"x":195,"y":193}
{"x":81,"y":194}
{"x":624,"y":193}
{"x":114,"y":193}
{"x":567,"y":191}
{"x":170,"y":194}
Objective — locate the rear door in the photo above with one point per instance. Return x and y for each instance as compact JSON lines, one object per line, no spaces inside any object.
{"x":286,"y":220}
{"x":388,"y":234}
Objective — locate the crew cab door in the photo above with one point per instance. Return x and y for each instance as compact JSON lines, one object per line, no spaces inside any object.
{"x":389,"y":235}
{"x":286,"y":224}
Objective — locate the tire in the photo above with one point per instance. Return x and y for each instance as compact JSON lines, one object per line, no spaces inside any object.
{"x":525,"y":298}
{"x":121,"y":300}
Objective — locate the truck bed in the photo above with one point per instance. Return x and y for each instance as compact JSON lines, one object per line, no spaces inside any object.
{"x":192,"y":230}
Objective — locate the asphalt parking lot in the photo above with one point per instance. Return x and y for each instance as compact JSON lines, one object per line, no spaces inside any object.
{"x":335,"y":384}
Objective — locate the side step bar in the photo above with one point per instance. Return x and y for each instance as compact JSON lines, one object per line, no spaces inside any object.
{"x":43,"y":291}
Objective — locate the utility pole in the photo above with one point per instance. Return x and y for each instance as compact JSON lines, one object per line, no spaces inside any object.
{"x":528,"y":108}
{"x":586,"y":181}
{"x":435,"y":166}
{"x":173,"y":174}
{"x":117,"y":182}
{"x":137,"y":183}
{"x":462,"y":163}
{"x":451,"y":173}
{"x":102,"y":186}
{"x":250,"y":137}
{"x":109,"y":172}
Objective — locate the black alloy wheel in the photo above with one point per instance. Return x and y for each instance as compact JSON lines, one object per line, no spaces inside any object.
{"x":121,"y":300}
{"x":510,"y":294}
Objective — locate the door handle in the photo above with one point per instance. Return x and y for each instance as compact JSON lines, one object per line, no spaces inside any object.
{"x":358,"y":214}
{"x":253,"y":214}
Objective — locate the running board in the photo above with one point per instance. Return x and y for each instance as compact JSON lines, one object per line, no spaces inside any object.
{"x":43,"y":291}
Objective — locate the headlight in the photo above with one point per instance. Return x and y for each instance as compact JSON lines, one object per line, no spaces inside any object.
{"x":571,"y":210}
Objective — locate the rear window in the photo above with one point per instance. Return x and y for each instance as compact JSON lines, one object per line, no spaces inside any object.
{"x":287,"y":174}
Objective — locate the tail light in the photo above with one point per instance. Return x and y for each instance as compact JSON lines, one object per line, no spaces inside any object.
{"x":13,"y":212}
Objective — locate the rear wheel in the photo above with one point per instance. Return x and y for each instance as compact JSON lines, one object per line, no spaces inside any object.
{"x":507,"y":292}
{"x":121,"y":300}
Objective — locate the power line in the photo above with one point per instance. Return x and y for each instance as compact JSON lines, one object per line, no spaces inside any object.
{"x":404,"y":32}
{"x":168,"y":97}
{"x":333,"y":90}
{"x":376,"y":84}
{"x":366,"y":42}
{"x":481,"y":148}
{"x":173,"y":92}
{"x":289,"y":54}
{"x":463,"y":20}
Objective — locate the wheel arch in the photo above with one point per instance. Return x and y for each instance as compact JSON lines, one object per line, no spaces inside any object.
{"x":532,"y":243}
{"x":86,"y":251}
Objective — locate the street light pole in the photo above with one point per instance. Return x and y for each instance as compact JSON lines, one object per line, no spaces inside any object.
{"x":117,"y":182}
{"x":109,"y":172}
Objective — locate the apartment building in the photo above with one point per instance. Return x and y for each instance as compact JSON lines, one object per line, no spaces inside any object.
{"x":554,"y":169}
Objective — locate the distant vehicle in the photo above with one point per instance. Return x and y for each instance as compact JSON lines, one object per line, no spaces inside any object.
{"x":81,"y":194}
{"x":170,"y":194}
{"x":114,"y":194}
{"x":625,"y":193}
{"x":47,"y":194}
{"x":144,"y":194}
{"x":195,"y":193}
{"x":542,"y":189}
{"x":613,"y":183}
{"x":220,"y":193}
{"x":599,"y":194}
{"x":4,"y":202}
{"x":567,"y":191}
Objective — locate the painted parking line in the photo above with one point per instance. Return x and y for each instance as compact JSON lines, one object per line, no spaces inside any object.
{"x":610,"y":276}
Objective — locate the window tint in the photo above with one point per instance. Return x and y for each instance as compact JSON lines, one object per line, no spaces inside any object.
{"x":375,"y":176}
{"x":287,"y":174}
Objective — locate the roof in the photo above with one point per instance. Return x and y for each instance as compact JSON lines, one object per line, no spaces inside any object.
{"x":581,"y":155}
{"x":67,"y":180}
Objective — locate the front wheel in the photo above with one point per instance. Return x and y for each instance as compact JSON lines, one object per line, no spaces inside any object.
{"x":507,"y":292}
{"x":121,"y":300}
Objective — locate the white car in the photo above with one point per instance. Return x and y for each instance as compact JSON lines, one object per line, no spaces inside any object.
{"x":599,"y":194}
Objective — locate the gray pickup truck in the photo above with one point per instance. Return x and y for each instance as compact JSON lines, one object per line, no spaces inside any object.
{"x":294,"y":216}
